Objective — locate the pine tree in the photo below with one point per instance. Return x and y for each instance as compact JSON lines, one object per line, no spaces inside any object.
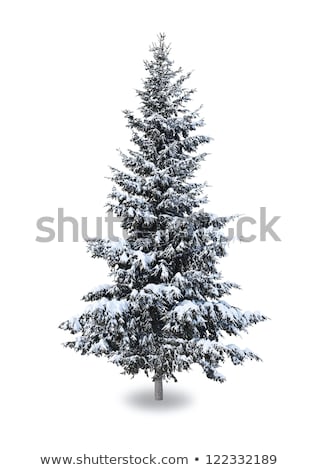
{"x":164,"y":310}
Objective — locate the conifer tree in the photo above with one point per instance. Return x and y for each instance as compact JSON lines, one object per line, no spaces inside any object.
{"x":165,"y":309}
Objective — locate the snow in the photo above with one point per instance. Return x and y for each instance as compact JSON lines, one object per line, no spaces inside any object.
{"x":101,"y":287}
{"x":112,"y":307}
{"x":207,"y":345}
{"x":145,"y":258}
{"x":124,"y":258}
{"x":131,"y":212}
{"x":184,"y":307}
{"x":72,"y":324}
{"x":164,"y":273}
{"x":117,"y":306}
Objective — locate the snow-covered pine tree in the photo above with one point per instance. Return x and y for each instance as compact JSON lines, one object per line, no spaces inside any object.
{"x":164,"y":310}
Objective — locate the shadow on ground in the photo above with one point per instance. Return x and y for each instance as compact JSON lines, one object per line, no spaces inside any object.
{"x":144,"y":399}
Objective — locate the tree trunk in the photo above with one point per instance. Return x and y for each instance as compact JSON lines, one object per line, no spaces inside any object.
{"x":158,"y":389}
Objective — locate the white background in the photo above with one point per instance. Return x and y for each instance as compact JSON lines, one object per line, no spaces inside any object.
{"x":68,"y":69}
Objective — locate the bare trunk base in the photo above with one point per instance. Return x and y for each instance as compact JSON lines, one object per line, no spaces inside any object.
{"x":158,"y":389}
